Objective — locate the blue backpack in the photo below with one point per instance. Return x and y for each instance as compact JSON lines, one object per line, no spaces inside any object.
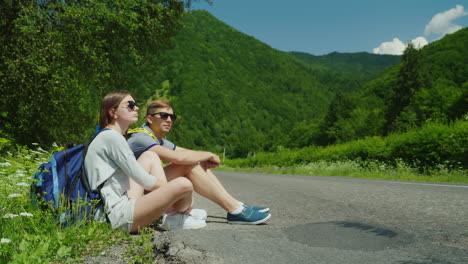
{"x":62,"y":186}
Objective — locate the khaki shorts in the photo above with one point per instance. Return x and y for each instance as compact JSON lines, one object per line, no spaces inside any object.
{"x":121,"y":215}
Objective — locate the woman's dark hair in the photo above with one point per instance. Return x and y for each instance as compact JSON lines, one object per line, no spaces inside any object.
{"x":111,"y":100}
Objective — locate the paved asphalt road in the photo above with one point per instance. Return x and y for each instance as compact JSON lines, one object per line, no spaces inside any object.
{"x":329,"y":220}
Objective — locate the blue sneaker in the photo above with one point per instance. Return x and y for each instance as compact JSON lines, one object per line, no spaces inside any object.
{"x":257,"y":208}
{"x":248,"y":216}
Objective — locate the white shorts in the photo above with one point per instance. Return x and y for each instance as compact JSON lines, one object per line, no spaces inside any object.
{"x":121,"y":215}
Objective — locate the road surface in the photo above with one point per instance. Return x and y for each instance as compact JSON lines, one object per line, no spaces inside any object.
{"x":329,"y":220}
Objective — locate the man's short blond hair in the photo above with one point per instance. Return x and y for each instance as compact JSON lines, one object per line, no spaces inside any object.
{"x":153,"y":105}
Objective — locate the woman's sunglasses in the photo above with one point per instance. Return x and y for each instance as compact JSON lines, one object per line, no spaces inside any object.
{"x":132,"y":104}
{"x":165,"y":115}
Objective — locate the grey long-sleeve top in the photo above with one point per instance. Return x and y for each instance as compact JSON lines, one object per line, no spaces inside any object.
{"x":110,"y":159}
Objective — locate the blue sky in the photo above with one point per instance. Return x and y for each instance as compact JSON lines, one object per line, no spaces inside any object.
{"x":323,"y":26}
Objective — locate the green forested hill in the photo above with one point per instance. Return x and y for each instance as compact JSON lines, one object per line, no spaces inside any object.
{"x":428,"y":85}
{"x":364,"y":64}
{"x":236,"y":92}
{"x":231,"y":91}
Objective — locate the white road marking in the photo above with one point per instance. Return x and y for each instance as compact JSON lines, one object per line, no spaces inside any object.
{"x":431,"y":184}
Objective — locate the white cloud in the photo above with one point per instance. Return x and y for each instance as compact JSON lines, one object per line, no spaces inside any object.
{"x":442,"y":24}
{"x":395,"y":47}
{"x":419,"y":42}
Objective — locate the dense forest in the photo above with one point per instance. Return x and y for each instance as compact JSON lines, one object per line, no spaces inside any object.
{"x":232,"y":92}
{"x":428,"y":85}
{"x":59,"y":58}
{"x":237,"y":93}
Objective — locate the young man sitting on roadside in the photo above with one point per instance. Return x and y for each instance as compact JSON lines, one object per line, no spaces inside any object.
{"x":194,"y":165}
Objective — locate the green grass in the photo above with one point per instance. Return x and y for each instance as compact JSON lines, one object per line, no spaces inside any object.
{"x":372,"y":170}
{"x":31,"y":235}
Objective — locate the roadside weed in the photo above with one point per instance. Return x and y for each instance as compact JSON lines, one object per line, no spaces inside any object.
{"x":370,"y":170}
{"x":32,"y":235}
{"x":141,"y":249}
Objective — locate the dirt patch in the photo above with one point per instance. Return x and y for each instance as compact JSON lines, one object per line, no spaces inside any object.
{"x":169,"y":251}
{"x":113,"y":255}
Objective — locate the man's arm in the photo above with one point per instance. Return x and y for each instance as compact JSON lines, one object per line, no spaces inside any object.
{"x":187,"y":156}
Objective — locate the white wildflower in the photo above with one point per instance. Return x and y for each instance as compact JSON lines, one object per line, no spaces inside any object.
{"x":10,"y":216}
{"x":14,"y":195}
{"x":26,"y":214}
{"x":22,"y":184}
{"x":5,"y":241}
{"x":41,"y":150}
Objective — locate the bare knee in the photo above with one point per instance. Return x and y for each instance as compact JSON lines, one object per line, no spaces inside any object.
{"x":183,"y":185}
{"x":152,"y":164}
{"x":187,"y":169}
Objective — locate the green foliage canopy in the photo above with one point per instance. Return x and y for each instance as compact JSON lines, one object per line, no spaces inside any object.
{"x":427,"y":85}
{"x":234,"y":92}
{"x":58,"y":58}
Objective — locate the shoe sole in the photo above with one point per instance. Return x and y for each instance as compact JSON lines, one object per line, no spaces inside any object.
{"x":192,"y":227}
{"x":251,"y":223}
{"x":196,"y":227}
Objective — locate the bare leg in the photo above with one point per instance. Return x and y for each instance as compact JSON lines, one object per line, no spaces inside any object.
{"x":217,"y":182}
{"x":203,"y":183}
{"x":152,"y":164}
{"x":177,"y":194}
{"x":149,"y":207}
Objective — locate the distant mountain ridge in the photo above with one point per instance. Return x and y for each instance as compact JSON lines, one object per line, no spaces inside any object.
{"x":365,"y":64}
{"x":235,"y":92}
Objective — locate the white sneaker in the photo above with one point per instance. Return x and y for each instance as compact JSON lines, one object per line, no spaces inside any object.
{"x":199,"y":214}
{"x":181,"y":221}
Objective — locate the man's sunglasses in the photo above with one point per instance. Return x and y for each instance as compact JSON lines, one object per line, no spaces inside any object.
{"x":165,"y":115}
{"x":132,"y":104}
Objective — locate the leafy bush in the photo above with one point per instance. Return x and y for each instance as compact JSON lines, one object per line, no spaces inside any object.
{"x":4,"y":144}
{"x":428,"y":147}
{"x":433,"y":144}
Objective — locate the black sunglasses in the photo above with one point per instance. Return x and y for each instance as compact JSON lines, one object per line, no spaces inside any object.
{"x":132,"y":104}
{"x":165,"y":115}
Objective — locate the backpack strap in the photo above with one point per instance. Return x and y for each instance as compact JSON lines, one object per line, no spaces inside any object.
{"x":140,"y":130}
{"x":82,"y":172}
